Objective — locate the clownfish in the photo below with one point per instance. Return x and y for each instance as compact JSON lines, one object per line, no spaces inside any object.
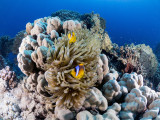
{"x":78,"y":72}
{"x":72,"y":37}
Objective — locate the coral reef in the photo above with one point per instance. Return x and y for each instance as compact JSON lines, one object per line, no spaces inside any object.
{"x":34,"y":57}
{"x":28,"y":104}
{"x":22,"y":105}
{"x":131,"y":58}
{"x":68,"y":77}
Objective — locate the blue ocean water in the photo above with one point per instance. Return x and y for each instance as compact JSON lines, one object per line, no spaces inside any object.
{"x":128,"y":21}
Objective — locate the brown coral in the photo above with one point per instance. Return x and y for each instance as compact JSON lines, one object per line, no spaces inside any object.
{"x":66,"y":90}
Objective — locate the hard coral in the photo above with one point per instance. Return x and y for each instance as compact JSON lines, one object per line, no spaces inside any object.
{"x":113,"y":74}
{"x":71,"y":25}
{"x":150,"y":94}
{"x":110,"y":114}
{"x":66,"y":90}
{"x":63,"y":114}
{"x":135,"y":101}
{"x":153,"y":112}
{"x":102,"y":67}
{"x":9,"y":76}
{"x":95,"y":100}
{"x":131,"y":80}
{"x":111,"y":90}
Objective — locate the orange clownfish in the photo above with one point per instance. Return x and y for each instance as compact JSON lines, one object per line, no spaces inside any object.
{"x":72,"y":37}
{"x":78,"y":72}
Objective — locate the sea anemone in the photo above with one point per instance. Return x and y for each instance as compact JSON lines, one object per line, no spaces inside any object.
{"x":65,"y":89}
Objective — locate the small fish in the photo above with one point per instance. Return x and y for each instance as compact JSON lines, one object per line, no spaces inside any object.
{"x":72,"y":37}
{"x":78,"y":72}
